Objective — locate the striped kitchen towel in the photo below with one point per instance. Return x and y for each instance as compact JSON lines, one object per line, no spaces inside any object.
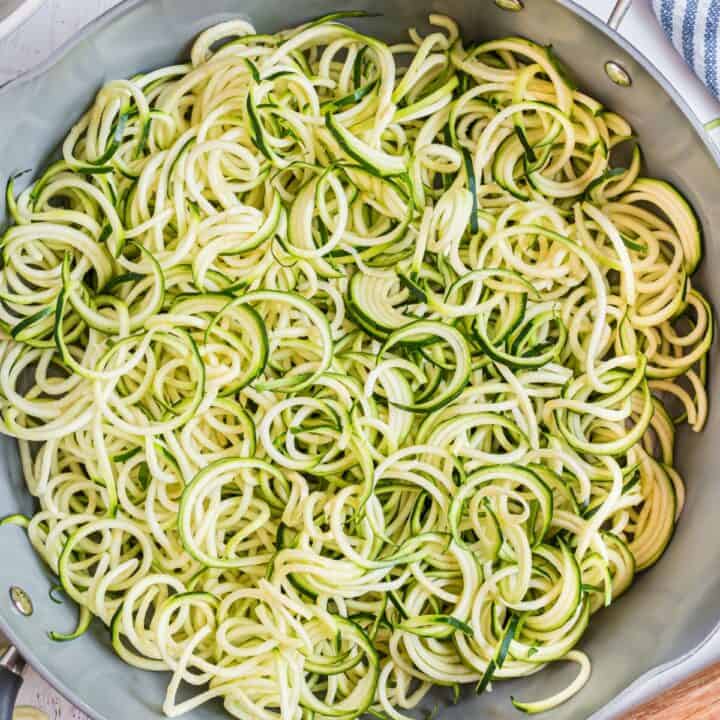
{"x":694,"y":28}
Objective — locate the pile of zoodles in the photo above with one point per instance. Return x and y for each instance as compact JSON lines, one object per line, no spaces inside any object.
{"x":342,"y":370}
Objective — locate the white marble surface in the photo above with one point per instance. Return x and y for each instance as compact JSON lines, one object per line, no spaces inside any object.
{"x":58,"y":20}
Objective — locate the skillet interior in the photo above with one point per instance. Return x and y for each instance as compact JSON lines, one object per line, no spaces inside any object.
{"x":668,"y":610}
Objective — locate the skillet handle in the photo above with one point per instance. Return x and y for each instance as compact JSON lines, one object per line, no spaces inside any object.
{"x":617,"y":15}
{"x":11,"y":665}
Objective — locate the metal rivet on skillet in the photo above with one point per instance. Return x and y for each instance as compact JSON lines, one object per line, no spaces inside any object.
{"x":513,"y":5}
{"x":21,"y":600}
{"x":618,"y":74}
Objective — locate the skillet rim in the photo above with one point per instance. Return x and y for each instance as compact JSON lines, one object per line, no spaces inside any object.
{"x":125,"y":6}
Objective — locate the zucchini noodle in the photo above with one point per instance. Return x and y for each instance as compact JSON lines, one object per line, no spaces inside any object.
{"x":343,"y":370}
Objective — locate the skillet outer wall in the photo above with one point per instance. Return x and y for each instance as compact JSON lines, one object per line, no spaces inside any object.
{"x":667,"y":612}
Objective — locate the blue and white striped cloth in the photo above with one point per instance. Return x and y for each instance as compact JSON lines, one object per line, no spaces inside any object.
{"x":694,"y":28}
